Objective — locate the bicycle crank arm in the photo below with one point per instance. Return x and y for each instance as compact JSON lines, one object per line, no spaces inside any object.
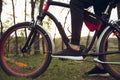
{"x":102,"y":62}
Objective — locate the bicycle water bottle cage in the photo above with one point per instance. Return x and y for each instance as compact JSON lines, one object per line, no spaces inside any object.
{"x":92,"y":22}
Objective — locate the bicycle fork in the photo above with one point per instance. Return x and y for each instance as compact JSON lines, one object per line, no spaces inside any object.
{"x":29,"y":40}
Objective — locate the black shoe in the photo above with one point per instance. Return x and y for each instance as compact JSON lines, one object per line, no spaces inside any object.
{"x":96,"y":71}
{"x":69,"y":53}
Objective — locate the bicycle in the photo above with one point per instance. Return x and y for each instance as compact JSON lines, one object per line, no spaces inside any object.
{"x":29,"y":53}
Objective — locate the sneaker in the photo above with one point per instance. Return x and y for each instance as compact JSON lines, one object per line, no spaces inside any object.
{"x":69,"y":53}
{"x":96,"y":71}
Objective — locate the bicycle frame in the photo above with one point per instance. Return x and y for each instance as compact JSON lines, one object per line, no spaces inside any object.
{"x":60,"y":29}
{"x":65,"y":39}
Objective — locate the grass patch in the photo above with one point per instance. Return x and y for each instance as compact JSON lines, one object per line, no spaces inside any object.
{"x":58,"y":70}
{"x":61,"y":70}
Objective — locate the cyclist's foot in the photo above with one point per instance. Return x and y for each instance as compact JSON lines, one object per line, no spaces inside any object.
{"x":96,"y":71}
{"x":69,"y":53}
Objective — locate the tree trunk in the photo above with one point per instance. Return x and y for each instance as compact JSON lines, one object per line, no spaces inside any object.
{"x":25,"y":17}
{"x":25,"y":13}
{"x":0,"y":18}
{"x":32,"y":9}
{"x":118,"y":10}
{"x":16,"y":38}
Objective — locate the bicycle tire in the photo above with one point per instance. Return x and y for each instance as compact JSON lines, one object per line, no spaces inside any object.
{"x":30,"y":64}
{"x":110,"y":42}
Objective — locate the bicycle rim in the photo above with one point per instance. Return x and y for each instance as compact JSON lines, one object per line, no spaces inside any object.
{"x":110,"y":42}
{"x":30,"y":64}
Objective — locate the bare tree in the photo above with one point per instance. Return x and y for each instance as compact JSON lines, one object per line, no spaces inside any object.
{"x":0,"y":6}
{"x":13,"y":7}
{"x":0,"y":17}
{"x":16,"y":38}
{"x":118,"y":10}
{"x":33,"y":8}
{"x":25,"y":13}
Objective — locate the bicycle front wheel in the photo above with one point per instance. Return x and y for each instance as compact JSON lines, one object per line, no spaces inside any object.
{"x":110,"y":42}
{"x":30,"y":64}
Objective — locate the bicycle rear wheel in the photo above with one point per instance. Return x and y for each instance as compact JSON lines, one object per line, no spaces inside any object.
{"x":30,"y":64}
{"x":109,"y":42}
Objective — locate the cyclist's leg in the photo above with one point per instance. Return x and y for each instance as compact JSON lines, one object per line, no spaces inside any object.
{"x":99,"y":10}
{"x":77,"y":17}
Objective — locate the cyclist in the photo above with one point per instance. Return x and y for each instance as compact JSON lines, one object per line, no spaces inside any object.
{"x":77,"y":16}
